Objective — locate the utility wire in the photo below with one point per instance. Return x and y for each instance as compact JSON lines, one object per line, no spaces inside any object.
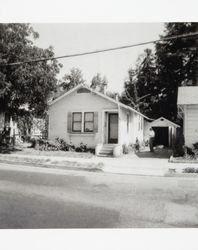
{"x":101,"y":50}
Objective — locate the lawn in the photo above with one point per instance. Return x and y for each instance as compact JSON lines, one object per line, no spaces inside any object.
{"x":32,"y":151}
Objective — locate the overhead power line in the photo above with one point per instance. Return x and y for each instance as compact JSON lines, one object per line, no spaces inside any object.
{"x":35,"y":60}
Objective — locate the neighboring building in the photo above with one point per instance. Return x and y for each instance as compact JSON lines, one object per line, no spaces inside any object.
{"x":9,"y":122}
{"x":88,"y":116}
{"x":38,"y":129}
{"x":165,"y":131}
{"x":188,"y":109}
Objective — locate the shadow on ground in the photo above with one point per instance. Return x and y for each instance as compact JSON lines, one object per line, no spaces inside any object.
{"x":163,"y":153}
{"x":8,"y":149}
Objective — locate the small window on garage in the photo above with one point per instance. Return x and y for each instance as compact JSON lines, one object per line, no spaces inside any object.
{"x":88,"y":121}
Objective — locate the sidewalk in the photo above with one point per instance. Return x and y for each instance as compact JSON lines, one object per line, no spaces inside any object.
{"x":127,"y":164}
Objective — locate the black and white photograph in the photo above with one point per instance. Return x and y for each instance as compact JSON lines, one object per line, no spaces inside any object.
{"x":98,"y":125}
{"x":104,"y":138}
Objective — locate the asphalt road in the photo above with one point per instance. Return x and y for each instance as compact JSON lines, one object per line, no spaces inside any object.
{"x":50,"y":198}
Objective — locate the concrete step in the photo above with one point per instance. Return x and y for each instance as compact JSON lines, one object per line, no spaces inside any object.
{"x":105,"y":155}
{"x":107,"y":149}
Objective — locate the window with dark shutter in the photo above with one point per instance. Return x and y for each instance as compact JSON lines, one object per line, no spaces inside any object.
{"x":77,"y":122}
{"x":69,"y":122}
{"x":88,"y":122}
{"x":95,"y":122}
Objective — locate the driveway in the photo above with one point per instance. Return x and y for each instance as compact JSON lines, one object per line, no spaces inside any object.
{"x":53,"y":198}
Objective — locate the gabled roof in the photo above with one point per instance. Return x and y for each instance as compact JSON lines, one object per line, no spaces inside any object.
{"x":187,"y":95}
{"x":99,"y":94}
{"x":163,"y":122}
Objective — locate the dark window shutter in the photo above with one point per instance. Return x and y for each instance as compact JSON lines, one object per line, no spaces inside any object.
{"x":69,"y":122}
{"x":95,"y":122}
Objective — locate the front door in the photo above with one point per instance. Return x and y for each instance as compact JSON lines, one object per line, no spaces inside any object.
{"x":113,"y":128}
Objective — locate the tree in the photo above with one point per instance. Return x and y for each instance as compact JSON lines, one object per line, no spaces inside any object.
{"x":177,"y":65}
{"x":153,"y":83}
{"x":25,"y":86}
{"x":139,"y":88}
{"x":99,"y":83}
{"x":72,"y":79}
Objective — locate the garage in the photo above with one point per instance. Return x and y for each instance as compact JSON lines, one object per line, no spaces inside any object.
{"x":165,"y":131}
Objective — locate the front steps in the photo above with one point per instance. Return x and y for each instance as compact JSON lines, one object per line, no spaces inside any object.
{"x":106,"y":150}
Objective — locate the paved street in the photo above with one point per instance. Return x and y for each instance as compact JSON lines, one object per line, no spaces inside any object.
{"x":52,"y":198}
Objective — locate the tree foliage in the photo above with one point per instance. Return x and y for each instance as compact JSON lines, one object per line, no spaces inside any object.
{"x":26,"y":85}
{"x":72,"y":79}
{"x":176,"y":61}
{"x":141,"y":84}
{"x":153,"y":84}
{"x":99,"y":83}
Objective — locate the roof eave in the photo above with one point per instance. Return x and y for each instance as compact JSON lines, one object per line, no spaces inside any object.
{"x":100,"y":94}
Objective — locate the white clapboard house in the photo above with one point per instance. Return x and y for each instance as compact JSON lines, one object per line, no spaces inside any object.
{"x":187,"y":102}
{"x":91,"y":117}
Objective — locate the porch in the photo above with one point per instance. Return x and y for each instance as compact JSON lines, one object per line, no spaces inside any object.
{"x":110,"y":134}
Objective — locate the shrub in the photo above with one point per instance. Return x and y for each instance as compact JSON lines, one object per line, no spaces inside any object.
{"x":63,"y":145}
{"x":33,"y":143}
{"x":195,"y":145}
{"x":137,"y":145}
{"x":178,"y":146}
{"x":190,"y":170}
{"x":82,"y":147}
{"x":189,"y":152}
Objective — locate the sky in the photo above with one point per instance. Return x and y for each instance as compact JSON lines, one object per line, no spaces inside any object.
{"x":69,"y":38}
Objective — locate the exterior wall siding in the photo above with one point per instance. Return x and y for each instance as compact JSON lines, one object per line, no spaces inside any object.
{"x":135,"y":127}
{"x":191,"y":124}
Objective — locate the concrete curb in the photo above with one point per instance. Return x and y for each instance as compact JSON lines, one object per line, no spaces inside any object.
{"x":126,"y":166}
{"x":55,"y":166}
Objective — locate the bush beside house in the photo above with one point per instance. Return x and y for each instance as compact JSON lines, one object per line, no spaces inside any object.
{"x":178,"y":146}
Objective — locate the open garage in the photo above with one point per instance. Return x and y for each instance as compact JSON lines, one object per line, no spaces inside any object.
{"x":165,"y":131}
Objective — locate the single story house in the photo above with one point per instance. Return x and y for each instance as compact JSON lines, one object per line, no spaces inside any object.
{"x":187,"y":102}
{"x":91,"y":117}
{"x":165,"y":131}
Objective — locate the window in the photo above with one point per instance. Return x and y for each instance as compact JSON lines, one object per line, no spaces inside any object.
{"x":83,"y":122}
{"x":77,"y":122}
{"x":88,"y":122}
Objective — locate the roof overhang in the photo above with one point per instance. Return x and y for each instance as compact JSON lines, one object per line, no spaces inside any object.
{"x":163,"y":122}
{"x":50,"y":103}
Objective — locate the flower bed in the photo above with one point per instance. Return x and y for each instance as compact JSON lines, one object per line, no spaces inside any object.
{"x":183,"y":159}
{"x":32,"y":151}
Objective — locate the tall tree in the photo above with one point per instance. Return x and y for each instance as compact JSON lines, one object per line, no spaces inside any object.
{"x":140,"y":87}
{"x":177,"y":63}
{"x":72,"y":79}
{"x":25,"y":85}
{"x":98,"y":82}
{"x":157,"y":76}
